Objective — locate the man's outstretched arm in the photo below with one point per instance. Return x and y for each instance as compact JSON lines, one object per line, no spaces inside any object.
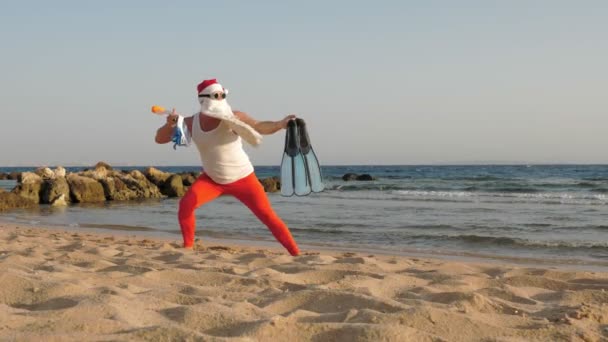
{"x":264,"y":127}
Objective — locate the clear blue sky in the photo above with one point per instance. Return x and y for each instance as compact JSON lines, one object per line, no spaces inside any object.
{"x":387,"y":82}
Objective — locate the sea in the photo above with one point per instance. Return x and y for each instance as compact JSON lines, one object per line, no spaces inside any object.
{"x":548,"y":213}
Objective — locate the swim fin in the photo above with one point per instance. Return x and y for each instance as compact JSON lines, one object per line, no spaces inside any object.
{"x":313,"y":169}
{"x":300,"y":172}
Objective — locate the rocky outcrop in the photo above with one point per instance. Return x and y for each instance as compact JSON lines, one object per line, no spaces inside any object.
{"x":29,"y":187}
{"x":60,"y":172}
{"x":143,"y":186}
{"x":14,"y":176}
{"x":116,"y":190}
{"x":103,"y":165}
{"x":54,"y":189}
{"x":156,"y":176}
{"x":45,"y":173}
{"x":271,"y":184}
{"x":85,"y":189}
{"x":3,"y":176}
{"x":365,"y":177}
{"x":60,"y":201}
{"x":349,"y":177}
{"x":29,"y":178}
{"x":98,"y":173}
{"x":102,"y":183}
{"x":173,"y":187}
{"x":9,"y":200}
{"x":355,"y":177}
{"x":132,"y":186}
{"x":188,"y":178}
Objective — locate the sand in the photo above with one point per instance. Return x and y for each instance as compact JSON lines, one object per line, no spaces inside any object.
{"x":62,"y":285}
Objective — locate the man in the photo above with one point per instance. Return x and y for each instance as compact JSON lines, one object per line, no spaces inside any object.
{"x":226,"y":166}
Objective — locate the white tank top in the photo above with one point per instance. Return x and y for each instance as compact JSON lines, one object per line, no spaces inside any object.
{"x":222,"y":154}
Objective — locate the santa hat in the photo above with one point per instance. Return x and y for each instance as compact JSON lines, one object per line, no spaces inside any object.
{"x":210,"y":86}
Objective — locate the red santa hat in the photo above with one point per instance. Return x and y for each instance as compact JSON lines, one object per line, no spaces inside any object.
{"x":209,"y":87}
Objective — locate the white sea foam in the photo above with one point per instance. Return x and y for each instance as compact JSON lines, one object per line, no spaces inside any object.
{"x":561,"y":197}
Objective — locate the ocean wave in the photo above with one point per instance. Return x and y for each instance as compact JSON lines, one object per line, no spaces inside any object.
{"x":336,"y":225}
{"x":515,"y":190}
{"x":600,"y":227}
{"x":477,"y":178}
{"x":383,"y":196}
{"x":601,"y":190}
{"x":482,"y":188}
{"x":367,"y":186}
{"x":471,"y":197}
{"x":433,"y":193}
{"x":317,"y":230}
{"x":514,"y":242}
{"x":538,"y":196}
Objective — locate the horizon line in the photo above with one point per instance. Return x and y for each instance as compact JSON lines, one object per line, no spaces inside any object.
{"x":337,"y":165}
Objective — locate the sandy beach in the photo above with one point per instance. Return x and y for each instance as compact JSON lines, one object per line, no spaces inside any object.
{"x":64,"y":285}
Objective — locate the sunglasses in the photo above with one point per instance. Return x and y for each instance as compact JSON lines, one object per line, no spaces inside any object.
{"x":217,"y":95}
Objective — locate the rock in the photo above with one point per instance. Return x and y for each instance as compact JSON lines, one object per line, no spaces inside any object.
{"x":173,"y":187}
{"x":10,"y":200}
{"x":271,"y":184}
{"x":103,"y":165}
{"x":349,"y":177}
{"x":3,"y":176}
{"x":137,"y":175}
{"x":168,"y":184}
{"x":84,"y":189}
{"x":14,"y":176}
{"x":29,"y":178}
{"x":44,"y":173}
{"x":59,"y":172}
{"x":134,"y":185}
{"x":29,"y":187}
{"x":116,"y":190}
{"x":353,"y":176}
{"x":144,"y":188}
{"x":60,"y":201}
{"x":156,"y":176}
{"x":365,"y":177}
{"x":55,"y":188}
{"x":100,"y":172}
{"x":188,"y":178}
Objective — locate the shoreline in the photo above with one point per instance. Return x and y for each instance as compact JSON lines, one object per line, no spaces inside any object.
{"x":271,"y":244}
{"x":63,"y":285}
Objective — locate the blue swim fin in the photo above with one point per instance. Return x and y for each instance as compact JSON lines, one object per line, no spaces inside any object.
{"x":300,"y":170}
{"x":293,"y":165}
{"x":313,"y":169}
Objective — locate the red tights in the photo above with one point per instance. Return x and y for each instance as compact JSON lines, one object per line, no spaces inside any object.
{"x":249,"y":191}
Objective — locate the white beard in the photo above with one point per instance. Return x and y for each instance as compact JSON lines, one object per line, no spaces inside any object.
{"x":220,"y":109}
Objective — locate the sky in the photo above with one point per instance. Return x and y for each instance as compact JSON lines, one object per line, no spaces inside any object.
{"x":378,"y":82}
